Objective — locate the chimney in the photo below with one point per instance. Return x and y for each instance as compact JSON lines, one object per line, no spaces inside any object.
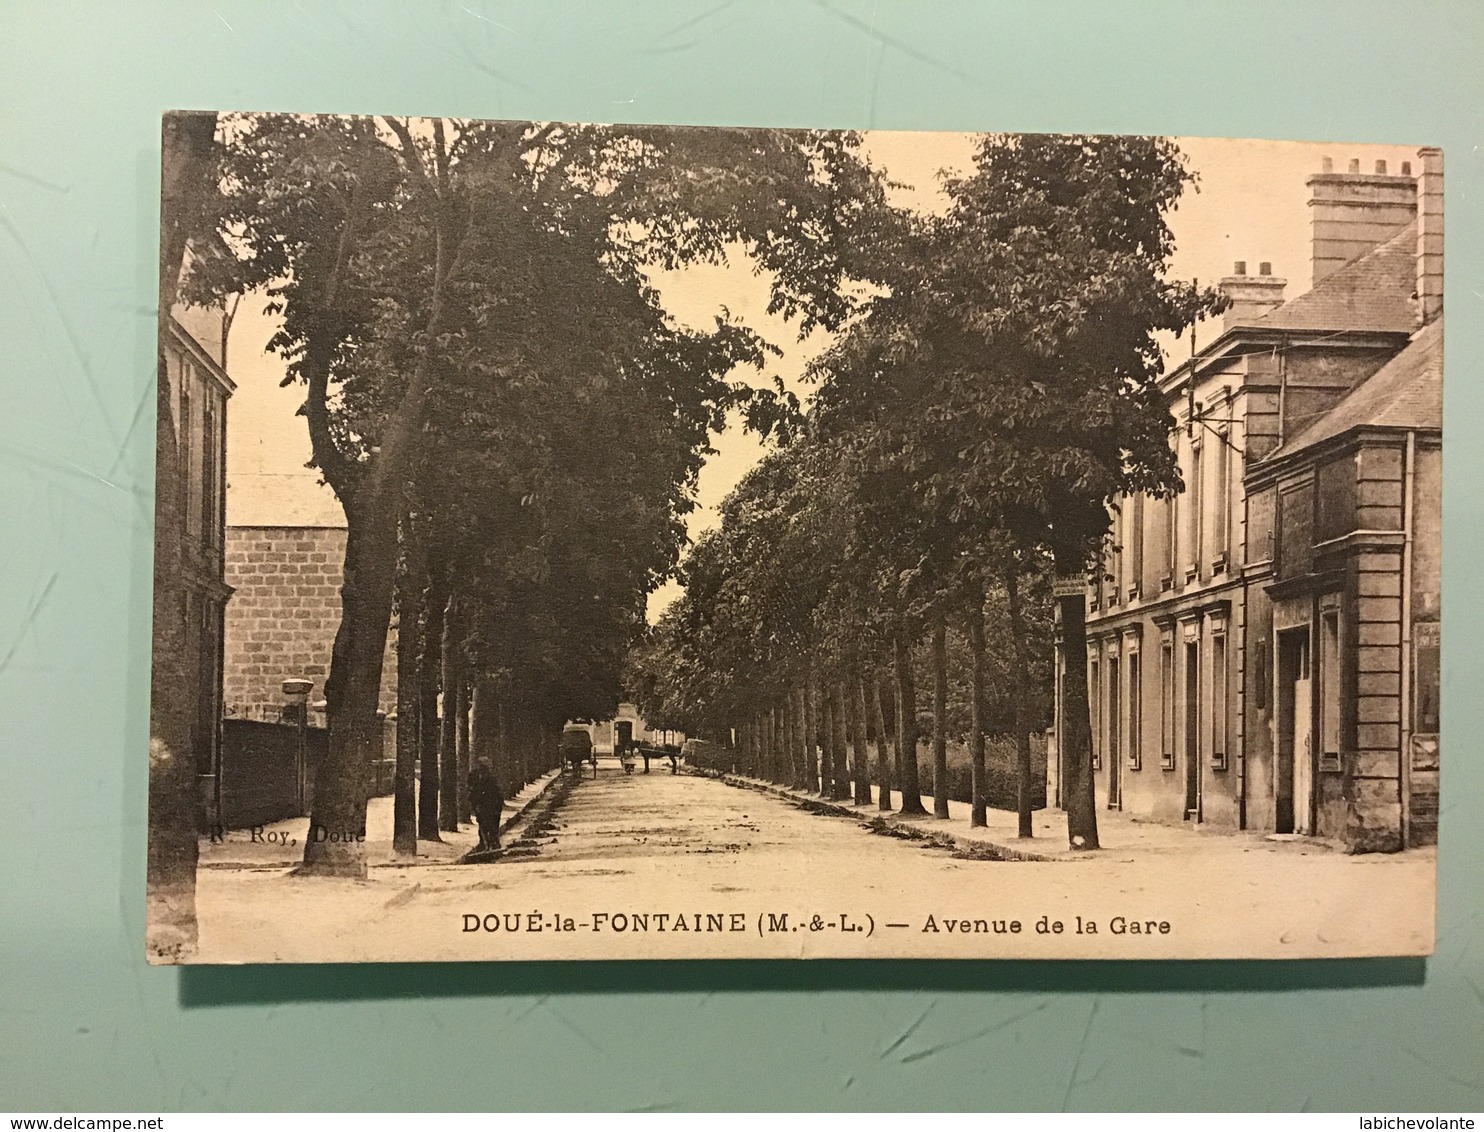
{"x":1354,"y":212}
{"x":1252,"y":296}
{"x":1430,"y":234}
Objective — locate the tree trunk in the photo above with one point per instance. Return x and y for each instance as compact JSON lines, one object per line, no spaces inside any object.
{"x":883,"y":751}
{"x":1075,"y":743}
{"x":1022,"y":710}
{"x":862,"y":746}
{"x":404,"y":779}
{"x":372,"y":497}
{"x":979,"y":812}
{"x":840,"y":763}
{"x":775,"y":748}
{"x":505,"y":743}
{"x":907,"y":728}
{"x":428,"y":730}
{"x":782,"y":713}
{"x":940,"y":717}
{"x":462,"y":745}
{"x":450,"y":677}
{"x":484,"y":728}
{"x":811,"y":734}
{"x":337,"y":831}
{"x":525,"y":731}
{"x":790,"y":740}
{"x":337,"y":828}
{"x":826,"y":743}
{"x":801,"y":754}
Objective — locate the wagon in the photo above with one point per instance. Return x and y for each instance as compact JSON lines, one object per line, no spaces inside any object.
{"x":576,"y":747}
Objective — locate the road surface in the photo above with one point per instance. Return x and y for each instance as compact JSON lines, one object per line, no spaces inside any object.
{"x":681,"y":866}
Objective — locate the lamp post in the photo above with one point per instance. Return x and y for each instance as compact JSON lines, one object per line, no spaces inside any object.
{"x":296,"y":691}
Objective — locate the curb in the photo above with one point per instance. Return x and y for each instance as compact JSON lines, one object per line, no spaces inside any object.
{"x":889,"y":824}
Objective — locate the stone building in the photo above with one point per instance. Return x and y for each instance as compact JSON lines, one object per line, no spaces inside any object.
{"x":283,"y":616}
{"x":1262,"y":648}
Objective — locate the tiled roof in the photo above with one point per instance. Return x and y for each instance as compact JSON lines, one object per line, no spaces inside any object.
{"x":1405,"y":393}
{"x":1372,"y":292}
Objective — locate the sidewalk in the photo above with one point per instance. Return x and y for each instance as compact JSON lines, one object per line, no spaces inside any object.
{"x":281,"y":844}
{"x":1120,"y":836}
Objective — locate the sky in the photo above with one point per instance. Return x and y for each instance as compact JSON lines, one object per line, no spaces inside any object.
{"x":1250,"y":204}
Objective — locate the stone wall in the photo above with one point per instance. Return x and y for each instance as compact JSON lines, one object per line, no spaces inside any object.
{"x":281,"y":619}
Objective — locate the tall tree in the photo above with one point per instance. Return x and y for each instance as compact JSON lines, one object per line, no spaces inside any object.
{"x":1019,"y":357}
{"x":396,"y":249}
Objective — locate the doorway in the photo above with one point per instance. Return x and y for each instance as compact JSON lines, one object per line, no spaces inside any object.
{"x":1193,"y":730}
{"x":1295,"y":772}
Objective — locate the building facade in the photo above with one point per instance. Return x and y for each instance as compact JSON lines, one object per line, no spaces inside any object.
{"x":193,"y":353}
{"x":1262,"y":647}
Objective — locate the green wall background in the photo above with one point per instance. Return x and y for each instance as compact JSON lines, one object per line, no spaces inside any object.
{"x":85,"y":1025}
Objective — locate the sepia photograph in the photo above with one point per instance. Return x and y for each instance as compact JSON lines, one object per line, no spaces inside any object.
{"x":589,"y":542}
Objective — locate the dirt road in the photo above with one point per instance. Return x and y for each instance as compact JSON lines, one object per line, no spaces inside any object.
{"x":678,"y":866}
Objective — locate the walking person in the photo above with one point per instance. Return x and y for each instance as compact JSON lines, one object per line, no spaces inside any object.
{"x":487,"y":802}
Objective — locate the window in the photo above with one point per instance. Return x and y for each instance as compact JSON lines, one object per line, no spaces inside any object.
{"x":1221,"y":509}
{"x":1134,"y":538}
{"x":1329,"y":689}
{"x":1220,"y":703}
{"x":1115,"y":721}
{"x":1167,"y":702}
{"x":183,"y":463}
{"x":1172,"y":541}
{"x":1095,"y":703}
{"x":1426,"y":671}
{"x":1135,"y":713}
{"x":210,"y":513}
{"x":1425,"y":652}
{"x":1197,"y":503}
{"x":1114,"y":563}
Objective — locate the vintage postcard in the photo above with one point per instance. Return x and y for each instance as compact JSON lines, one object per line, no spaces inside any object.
{"x":584,"y":541}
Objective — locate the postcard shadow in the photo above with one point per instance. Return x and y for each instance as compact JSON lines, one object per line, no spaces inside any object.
{"x":346,"y":982}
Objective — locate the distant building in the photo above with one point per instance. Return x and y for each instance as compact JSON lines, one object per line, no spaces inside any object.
{"x":627,"y":722}
{"x":1263,"y":648}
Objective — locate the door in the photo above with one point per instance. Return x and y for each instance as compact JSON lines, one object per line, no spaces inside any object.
{"x":1193,"y":730}
{"x":1294,"y":776}
{"x":1115,"y":728}
{"x":1303,"y":741}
